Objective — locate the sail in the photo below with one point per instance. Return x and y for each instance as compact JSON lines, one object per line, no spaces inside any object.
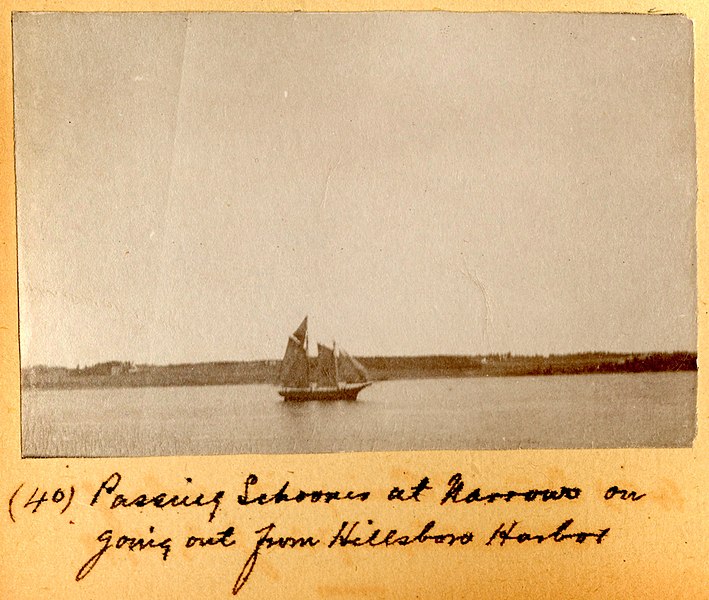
{"x":294,"y":367}
{"x":325,"y":370}
{"x":301,"y":333}
{"x":350,"y":370}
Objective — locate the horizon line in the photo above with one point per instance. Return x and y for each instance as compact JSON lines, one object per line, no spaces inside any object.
{"x":368,"y":356}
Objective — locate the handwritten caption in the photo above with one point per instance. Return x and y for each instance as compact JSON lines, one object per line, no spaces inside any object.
{"x":28,"y":500}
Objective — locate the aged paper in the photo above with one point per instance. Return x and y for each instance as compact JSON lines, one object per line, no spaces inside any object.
{"x":545,"y":438}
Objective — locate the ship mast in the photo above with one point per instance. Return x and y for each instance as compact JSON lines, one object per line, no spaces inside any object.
{"x":306,"y":344}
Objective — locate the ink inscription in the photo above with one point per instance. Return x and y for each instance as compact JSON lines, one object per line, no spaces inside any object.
{"x":189,"y":501}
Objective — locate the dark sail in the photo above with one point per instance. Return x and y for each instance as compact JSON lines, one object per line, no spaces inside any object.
{"x":325,"y":371}
{"x":301,"y":333}
{"x":294,"y":367}
{"x":332,"y":376}
{"x":350,"y":370}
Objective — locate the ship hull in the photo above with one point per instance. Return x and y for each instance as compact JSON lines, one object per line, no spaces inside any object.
{"x":345,"y":392}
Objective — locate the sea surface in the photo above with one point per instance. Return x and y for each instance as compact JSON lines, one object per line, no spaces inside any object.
{"x":561,"y":411}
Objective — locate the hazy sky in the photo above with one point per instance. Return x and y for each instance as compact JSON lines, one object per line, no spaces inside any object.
{"x":190,"y":186}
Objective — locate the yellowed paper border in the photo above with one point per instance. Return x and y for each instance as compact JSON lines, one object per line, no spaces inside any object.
{"x":658,"y":549}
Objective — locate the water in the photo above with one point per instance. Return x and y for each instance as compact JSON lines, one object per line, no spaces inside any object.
{"x":575,"y":411}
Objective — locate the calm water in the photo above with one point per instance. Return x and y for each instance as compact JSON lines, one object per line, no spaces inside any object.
{"x":576,"y":411}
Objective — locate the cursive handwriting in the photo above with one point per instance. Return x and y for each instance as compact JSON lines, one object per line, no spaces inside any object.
{"x":161,"y":500}
{"x":267,"y":541}
{"x":502,"y":535}
{"x":301,"y":496}
{"x":223,"y":538}
{"x":349,"y":534}
{"x":346,"y":537}
{"x":456,"y":485}
{"x":132,"y":543}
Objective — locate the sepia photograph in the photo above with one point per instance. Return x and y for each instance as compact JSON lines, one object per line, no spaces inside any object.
{"x":295,"y":233}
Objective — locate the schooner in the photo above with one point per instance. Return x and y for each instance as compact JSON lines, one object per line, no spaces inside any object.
{"x":334,"y":375}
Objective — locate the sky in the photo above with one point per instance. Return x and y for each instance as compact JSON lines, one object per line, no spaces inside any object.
{"x":190,"y":186}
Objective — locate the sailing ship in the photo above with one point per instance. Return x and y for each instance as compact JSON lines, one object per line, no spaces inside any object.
{"x":334,"y":375}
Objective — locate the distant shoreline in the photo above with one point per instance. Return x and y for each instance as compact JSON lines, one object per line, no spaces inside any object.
{"x":116,"y":374}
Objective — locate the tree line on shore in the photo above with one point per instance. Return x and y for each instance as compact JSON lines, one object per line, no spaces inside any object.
{"x":128,"y":374}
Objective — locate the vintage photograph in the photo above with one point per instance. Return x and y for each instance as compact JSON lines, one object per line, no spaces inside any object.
{"x":269,"y":233}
